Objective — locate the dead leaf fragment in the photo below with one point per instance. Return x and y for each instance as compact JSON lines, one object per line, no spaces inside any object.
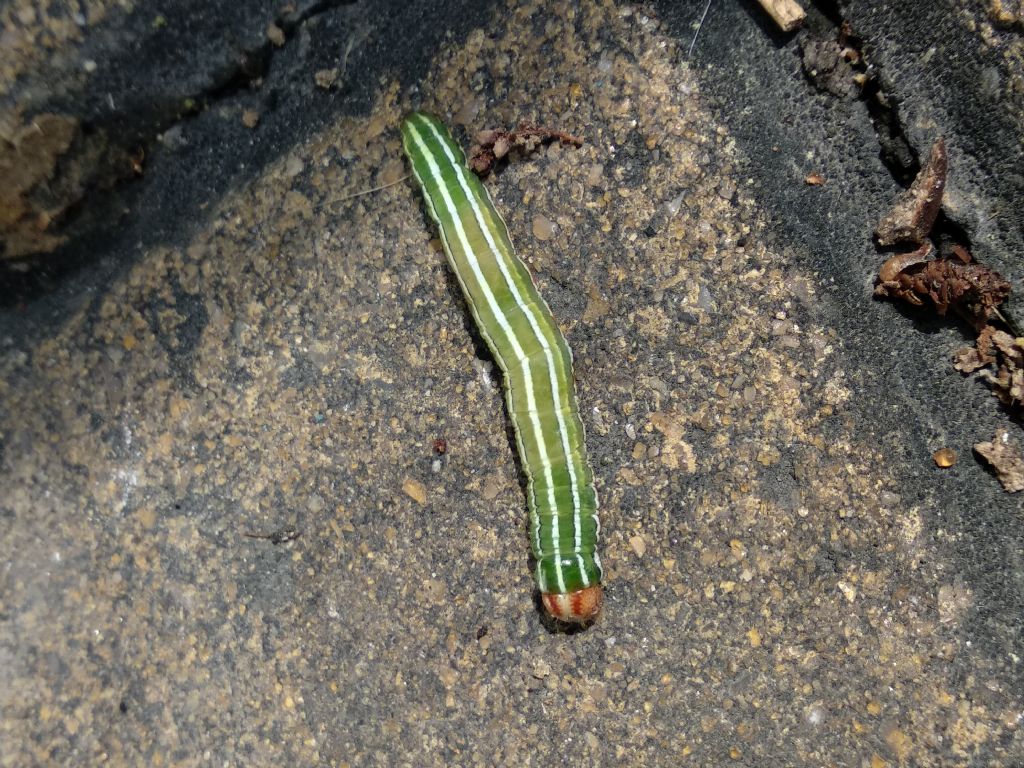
{"x":970,"y":359}
{"x":1004,"y":455}
{"x":814,"y":179}
{"x":914,"y":212}
{"x":1005,"y":354}
{"x":967,"y":360}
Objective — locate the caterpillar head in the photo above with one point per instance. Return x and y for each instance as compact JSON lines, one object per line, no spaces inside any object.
{"x":574,"y":607}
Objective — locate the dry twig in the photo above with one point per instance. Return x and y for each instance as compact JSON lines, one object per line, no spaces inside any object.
{"x":786,"y":13}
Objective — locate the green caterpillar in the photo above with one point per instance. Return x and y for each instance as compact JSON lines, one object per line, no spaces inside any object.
{"x":537,"y":366}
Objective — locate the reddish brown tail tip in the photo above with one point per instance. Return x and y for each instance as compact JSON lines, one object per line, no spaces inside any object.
{"x":574,"y":607}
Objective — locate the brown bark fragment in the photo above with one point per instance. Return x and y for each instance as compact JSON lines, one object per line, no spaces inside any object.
{"x":914,"y":212}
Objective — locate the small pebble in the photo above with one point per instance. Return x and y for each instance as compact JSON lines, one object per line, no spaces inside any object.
{"x":293,"y":167}
{"x":888,"y":499}
{"x":815,"y":714}
{"x":492,"y":487}
{"x":543,"y":227}
{"x":638,"y":545}
{"x":944,"y":457}
{"x":849,"y":591}
{"x":325,"y":78}
{"x":275,"y":35}
{"x":415,"y":490}
{"x":467,"y":112}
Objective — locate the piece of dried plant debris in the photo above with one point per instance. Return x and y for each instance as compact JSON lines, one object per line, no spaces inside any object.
{"x":1005,"y":457}
{"x":912,"y":215}
{"x":1002,"y":357}
{"x":492,"y":145}
{"x":971,"y":289}
{"x":1008,"y":379}
{"x":971,"y":359}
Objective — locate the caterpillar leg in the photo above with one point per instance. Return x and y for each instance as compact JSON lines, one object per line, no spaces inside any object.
{"x":574,"y":607}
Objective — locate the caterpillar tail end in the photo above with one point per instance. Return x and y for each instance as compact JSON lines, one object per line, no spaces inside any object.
{"x":577,"y":607}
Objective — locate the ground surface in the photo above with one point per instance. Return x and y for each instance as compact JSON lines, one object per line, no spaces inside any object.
{"x":249,"y":352}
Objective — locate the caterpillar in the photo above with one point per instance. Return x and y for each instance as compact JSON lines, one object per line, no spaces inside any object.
{"x":536,"y":363}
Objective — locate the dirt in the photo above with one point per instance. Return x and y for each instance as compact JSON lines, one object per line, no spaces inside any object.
{"x":230,"y":536}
